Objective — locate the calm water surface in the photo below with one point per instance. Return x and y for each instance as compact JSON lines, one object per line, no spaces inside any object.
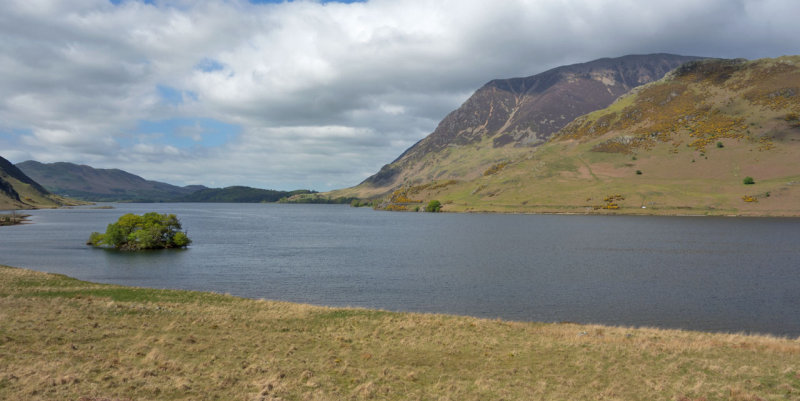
{"x":718,"y":274}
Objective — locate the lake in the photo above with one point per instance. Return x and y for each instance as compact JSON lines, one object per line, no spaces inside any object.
{"x":701,"y":273}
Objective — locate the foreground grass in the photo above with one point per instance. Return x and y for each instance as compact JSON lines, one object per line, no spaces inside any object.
{"x":66,"y":339}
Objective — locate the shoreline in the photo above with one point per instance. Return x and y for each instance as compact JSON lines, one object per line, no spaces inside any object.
{"x":618,"y":212}
{"x":544,"y":211}
{"x":581,"y":210}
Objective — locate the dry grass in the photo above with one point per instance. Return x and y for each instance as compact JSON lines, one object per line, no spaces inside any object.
{"x":70,"y":340}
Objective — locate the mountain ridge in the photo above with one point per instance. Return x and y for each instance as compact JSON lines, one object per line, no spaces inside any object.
{"x":518,"y":112}
{"x":98,"y":185}
{"x":113,"y":185}
{"x":713,"y":137}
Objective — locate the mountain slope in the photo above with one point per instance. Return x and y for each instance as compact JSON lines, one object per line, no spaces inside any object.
{"x":506,"y":115}
{"x":681,"y":145}
{"x":92,"y":184}
{"x":18,"y":191}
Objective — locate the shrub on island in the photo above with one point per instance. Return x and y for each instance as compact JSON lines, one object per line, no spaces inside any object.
{"x":433,"y":206}
{"x":149,"y":231}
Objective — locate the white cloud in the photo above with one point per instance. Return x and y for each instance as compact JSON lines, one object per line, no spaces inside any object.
{"x":157,"y":151}
{"x":324,"y":93}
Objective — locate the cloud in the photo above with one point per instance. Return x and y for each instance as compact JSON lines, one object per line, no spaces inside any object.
{"x":306,"y":93}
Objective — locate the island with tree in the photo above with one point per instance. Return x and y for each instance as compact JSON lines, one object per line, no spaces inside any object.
{"x":132,"y":232}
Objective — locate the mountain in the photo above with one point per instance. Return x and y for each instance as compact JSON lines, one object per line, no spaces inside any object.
{"x":508,"y":116}
{"x":239,"y":194}
{"x":717,"y":137}
{"x":99,"y":185}
{"x":109,"y":185}
{"x":18,"y":191}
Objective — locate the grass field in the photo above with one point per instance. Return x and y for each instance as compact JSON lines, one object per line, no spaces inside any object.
{"x":64,"y":339}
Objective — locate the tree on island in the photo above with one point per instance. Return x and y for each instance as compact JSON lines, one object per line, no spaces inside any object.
{"x":149,"y":231}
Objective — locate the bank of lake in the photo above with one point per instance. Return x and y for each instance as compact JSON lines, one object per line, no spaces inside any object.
{"x":63,"y":338}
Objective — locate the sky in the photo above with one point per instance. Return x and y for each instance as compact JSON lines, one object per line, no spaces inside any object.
{"x":310,"y":94}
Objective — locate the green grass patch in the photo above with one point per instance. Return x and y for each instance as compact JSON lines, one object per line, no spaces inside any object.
{"x":122,"y":294}
{"x":50,"y":280}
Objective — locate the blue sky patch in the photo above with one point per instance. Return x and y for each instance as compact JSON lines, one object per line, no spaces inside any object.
{"x":186,"y":132}
{"x":15,"y":132}
{"x":209,"y":65}
{"x":169,"y":95}
{"x":10,"y":139}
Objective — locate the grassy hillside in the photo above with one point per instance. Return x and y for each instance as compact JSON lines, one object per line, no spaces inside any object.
{"x":18,"y":191}
{"x":15,"y":194}
{"x":66,"y":339}
{"x":505,"y":116}
{"x":682,"y":145}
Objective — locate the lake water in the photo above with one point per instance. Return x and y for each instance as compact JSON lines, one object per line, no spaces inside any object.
{"x":713,"y":274}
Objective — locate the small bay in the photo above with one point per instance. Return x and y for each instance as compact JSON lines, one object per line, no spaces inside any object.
{"x":700,"y":273}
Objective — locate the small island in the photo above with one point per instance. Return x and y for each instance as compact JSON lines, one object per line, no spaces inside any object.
{"x":151,"y":230}
{"x":10,"y":219}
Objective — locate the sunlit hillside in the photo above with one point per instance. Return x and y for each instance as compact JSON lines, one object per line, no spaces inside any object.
{"x":507,"y":117}
{"x":18,"y":191}
{"x":683,"y":145}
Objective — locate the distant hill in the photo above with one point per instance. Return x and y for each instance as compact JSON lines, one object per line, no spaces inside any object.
{"x":685,"y":144}
{"x":507,"y":116}
{"x":239,"y":194}
{"x":18,"y":191}
{"x":112,"y":185}
{"x":101,"y":185}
